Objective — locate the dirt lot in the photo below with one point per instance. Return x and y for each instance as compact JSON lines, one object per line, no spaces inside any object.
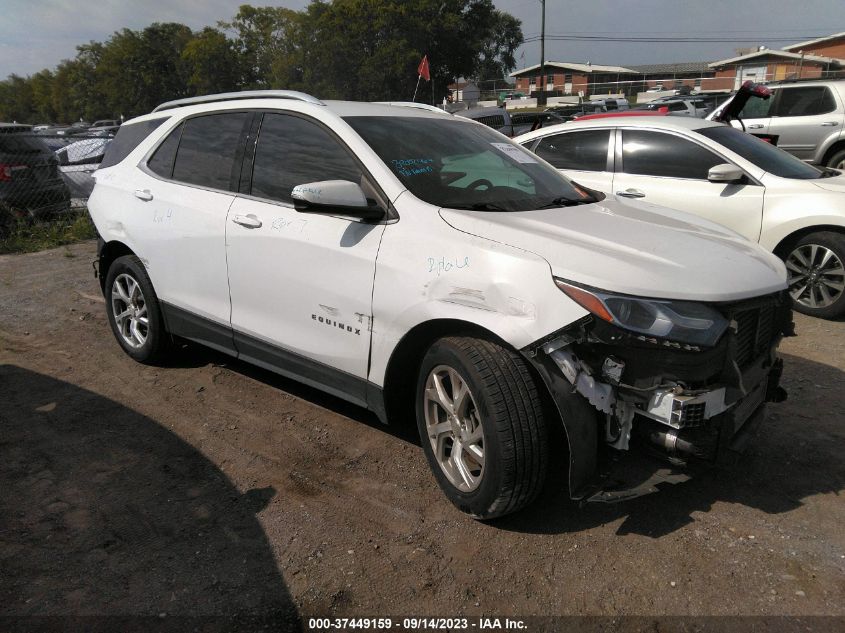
{"x":209,"y":487}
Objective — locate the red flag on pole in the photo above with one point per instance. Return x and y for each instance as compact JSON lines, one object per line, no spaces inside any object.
{"x":422,"y":69}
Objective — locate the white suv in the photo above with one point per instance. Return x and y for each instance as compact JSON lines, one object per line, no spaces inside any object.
{"x":427,"y":268}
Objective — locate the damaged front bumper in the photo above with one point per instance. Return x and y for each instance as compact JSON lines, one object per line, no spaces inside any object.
{"x":618,"y":391}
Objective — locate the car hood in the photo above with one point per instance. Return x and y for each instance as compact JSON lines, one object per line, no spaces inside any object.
{"x":833,"y":183}
{"x":634,"y":248}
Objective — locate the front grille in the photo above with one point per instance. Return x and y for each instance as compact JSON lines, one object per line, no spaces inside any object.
{"x":755,"y":329}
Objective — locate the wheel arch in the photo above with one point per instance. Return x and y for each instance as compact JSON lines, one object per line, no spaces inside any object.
{"x":108,"y":252}
{"x":783,"y":247}
{"x":400,"y":393}
{"x":836,"y":146}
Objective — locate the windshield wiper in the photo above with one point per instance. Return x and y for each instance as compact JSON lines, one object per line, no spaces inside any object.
{"x":567,"y":202}
{"x":476,"y":206}
{"x":827,"y":172}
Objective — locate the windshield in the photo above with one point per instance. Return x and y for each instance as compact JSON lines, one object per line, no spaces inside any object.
{"x":766,"y":156}
{"x":461,"y":165}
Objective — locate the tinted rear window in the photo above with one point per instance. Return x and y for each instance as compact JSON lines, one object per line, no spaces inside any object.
{"x":208,"y":149}
{"x":128,"y":137}
{"x":18,"y":143}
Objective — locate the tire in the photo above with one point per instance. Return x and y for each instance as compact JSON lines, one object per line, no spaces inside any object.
{"x":498,"y":426}
{"x":134,"y":311}
{"x":837,"y":161}
{"x":816,"y":268}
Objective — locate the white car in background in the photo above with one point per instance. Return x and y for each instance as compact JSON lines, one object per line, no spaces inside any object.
{"x":717,"y":172}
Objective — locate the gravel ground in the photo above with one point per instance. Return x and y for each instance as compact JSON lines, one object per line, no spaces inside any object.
{"x":209,"y":487}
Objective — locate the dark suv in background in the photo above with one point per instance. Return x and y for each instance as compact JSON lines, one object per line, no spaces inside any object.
{"x":31,"y":187}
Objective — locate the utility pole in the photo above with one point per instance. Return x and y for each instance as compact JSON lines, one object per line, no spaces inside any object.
{"x":541,"y":99}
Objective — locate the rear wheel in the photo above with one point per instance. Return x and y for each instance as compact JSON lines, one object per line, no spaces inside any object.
{"x":837,"y":160}
{"x":816,"y":269}
{"x":481,"y":423}
{"x":134,"y":311}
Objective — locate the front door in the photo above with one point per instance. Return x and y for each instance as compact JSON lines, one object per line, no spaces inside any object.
{"x":671,"y":171}
{"x":301,"y":284}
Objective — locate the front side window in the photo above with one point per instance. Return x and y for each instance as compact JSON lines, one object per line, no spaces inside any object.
{"x":585,"y":151}
{"x":805,"y":101}
{"x":208,"y":150}
{"x":293,"y":151}
{"x":766,"y":156}
{"x":461,"y":165}
{"x":649,"y":153}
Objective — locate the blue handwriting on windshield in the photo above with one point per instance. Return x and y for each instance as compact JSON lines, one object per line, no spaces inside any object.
{"x":413,"y":166}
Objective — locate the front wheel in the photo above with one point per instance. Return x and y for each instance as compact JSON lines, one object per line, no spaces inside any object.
{"x":482,"y":427}
{"x":134,"y":311}
{"x":816,"y":270}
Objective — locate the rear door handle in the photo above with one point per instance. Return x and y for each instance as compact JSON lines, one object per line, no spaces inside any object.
{"x":755,"y":126}
{"x":143,"y":194}
{"x":830,"y":123}
{"x":631,"y":193}
{"x":249,"y":221}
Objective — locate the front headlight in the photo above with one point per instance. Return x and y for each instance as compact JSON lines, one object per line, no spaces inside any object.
{"x":682,"y":321}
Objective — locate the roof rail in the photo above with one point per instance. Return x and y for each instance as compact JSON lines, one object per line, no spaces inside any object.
{"x":796,"y":80}
{"x":234,"y":96}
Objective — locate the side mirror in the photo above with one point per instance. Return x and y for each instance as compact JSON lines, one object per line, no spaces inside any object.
{"x":726,"y":174}
{"x":334,"y":197}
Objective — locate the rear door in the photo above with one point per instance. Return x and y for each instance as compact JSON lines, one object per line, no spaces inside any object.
{"x":301,"y":284}
{"x":671,"y":170}
{"x":803,"y":116}
{"x":181,"y":199}
{"x":585,"y":156}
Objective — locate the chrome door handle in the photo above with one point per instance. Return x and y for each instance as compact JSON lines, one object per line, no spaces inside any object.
{"x":755,"y":126}
{"x":631,"y":193}
{"x":143,"y":194}
{"x":249,"y":221}
{"x":830,"y":123}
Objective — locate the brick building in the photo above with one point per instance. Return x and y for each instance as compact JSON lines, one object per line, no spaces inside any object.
{"x":822,"y":57}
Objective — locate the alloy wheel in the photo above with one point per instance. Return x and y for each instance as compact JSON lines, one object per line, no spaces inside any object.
{"x":816,"y":276}
{"x":130,"y":310}
{"x":453,"y":425}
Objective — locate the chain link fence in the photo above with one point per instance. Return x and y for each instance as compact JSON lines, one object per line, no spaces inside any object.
{"x":46,"y":178}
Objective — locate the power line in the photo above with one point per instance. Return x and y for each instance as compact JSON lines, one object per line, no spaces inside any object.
{"x":674,"y":39}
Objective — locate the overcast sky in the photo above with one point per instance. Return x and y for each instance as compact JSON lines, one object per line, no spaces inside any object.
{"x":37,"y":34}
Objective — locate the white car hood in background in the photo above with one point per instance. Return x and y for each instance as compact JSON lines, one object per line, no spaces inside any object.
{"x":634,"y":248}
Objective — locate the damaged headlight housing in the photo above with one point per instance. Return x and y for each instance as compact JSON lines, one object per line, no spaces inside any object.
{"x":682,"y":321}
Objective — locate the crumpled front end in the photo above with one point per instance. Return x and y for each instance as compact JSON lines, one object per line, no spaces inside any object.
{"x":683,"y":403}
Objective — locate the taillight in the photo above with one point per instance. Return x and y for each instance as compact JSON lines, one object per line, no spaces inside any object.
{"x":7,"y":171}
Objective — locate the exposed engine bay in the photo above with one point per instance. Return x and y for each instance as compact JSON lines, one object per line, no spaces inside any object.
{"x":674,"y":400}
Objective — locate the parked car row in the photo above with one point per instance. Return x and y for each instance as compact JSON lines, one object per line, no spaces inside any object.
{"x":719,"y":173}
{"x":31,"y":186}
{"x":41,"y":175}
{"x":454,"y":278}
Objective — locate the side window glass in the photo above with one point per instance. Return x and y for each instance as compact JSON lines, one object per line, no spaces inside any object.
{"x":805,"y":101}
{"x":656,"y":154}
{"x":586,"y":151}
{"x":756,"y":108}
{"x":293,"y":151}
{"x":677,"y":106}
{"x":208,"y":149}
{"x":162,"y":160}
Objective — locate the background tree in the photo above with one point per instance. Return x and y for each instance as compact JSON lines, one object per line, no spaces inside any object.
{"x":348,"y":49}
{"x":213,"y":63}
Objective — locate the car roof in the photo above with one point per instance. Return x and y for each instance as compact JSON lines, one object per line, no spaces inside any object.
{"x":663,"y":122}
